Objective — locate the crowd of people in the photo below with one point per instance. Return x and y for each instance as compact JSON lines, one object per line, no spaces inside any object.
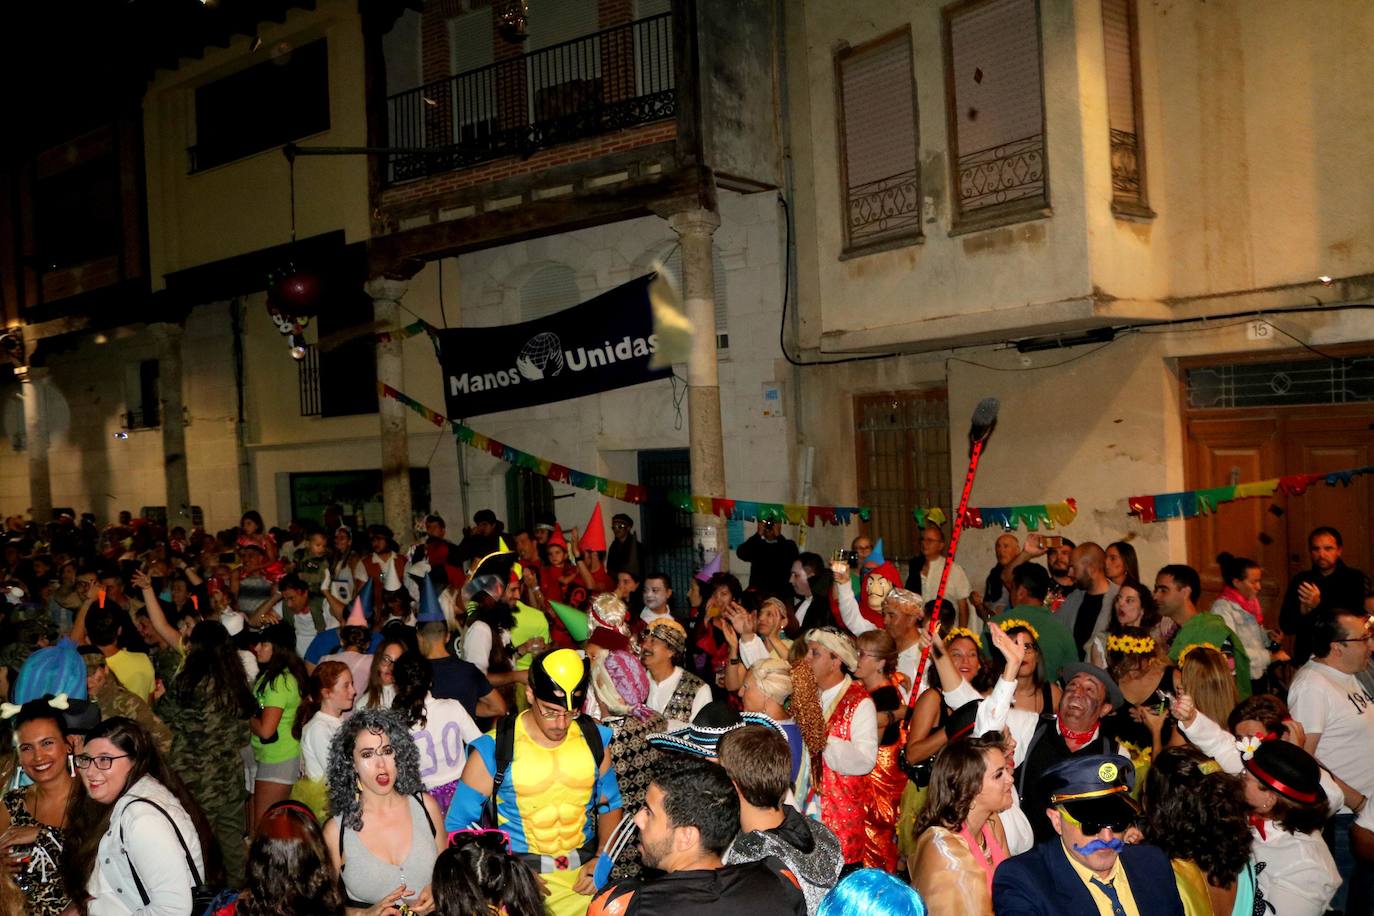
{"x":317,"y":720}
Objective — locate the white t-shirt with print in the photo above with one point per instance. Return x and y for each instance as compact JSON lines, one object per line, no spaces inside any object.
{"x":1334,"y":704}
{"x":443,"y":740}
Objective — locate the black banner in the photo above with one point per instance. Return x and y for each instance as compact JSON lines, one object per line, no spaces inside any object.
{"x":603,"y":343}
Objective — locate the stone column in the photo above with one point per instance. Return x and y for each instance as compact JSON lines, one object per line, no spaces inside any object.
{"x":173,"y":420}
{"x":386,"y":297}
{"x":695,"y":229}
{"x":33,"y":383}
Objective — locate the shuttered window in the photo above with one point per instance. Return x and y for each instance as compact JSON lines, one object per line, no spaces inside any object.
{"x":1123,"y":107}
{"x":996,"y":112}
{"x":879,"y":143}
{"x":549,"y":289}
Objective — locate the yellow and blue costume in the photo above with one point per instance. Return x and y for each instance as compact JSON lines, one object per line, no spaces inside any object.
{"x":550,"y":798}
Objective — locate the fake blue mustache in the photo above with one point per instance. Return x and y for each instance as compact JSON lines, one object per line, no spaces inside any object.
{"x":1113,"y":845}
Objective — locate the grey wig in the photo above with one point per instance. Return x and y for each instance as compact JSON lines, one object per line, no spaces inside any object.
{"x":340,"y":775}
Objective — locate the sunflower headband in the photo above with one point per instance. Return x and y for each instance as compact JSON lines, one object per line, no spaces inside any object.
{"x":1009,"y":625}
{"x":1197,"y":645}
{"x":1131,"y":645}
{"x":955,"y":632}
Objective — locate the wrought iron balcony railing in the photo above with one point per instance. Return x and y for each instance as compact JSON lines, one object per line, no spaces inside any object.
{"x":616,"y":78}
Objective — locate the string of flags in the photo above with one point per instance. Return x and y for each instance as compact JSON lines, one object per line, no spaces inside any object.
{"x":1192,"y":503}
{"x":1159,"y":507}
{"x":616,"y":489}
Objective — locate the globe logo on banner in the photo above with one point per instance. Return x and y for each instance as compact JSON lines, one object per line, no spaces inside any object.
{"x":542,"y":355}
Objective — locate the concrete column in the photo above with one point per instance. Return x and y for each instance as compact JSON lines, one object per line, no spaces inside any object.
{"x":386,"y":297}
{"x":33,"y":383}
{"x":695,"y":229}
{"x":173,"y":419}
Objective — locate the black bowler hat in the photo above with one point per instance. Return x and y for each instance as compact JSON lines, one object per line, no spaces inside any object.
{"x":961,"y":721}
{"x":1288,"y":770}
{"x":1096,"y":788}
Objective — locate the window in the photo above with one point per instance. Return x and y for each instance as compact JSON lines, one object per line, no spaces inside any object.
{"x":879,"y":163}
{"x":264,"y":106}
{"x":342,"y":380}
{"x":549,"y":289}
{"x":141,"y":395}
{"x":903,"y":462}
{"x":996,"y":111}
{"x":1281,"y":383}
{"x":566,"y":79}
{"x":1123,"y":108}
{"x":77,"y":214}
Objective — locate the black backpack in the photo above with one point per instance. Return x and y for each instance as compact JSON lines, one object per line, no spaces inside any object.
{"x":505,"y":753}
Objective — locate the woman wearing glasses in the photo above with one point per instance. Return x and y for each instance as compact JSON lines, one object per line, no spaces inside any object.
{"x":132,"y":793}
{"x":386,"y":831}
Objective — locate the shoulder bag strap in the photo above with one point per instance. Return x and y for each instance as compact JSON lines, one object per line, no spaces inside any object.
{"x":186,"y":850}
{"x":505,"y":753}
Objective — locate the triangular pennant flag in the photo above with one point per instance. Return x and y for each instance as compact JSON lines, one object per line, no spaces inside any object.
{"x":556,"y":539}
{"x":430,"y":612}
{"x":876,"y":557}
{"x":573,"y":619}
{"x":671,"y":324}
{"x":594,"y":537}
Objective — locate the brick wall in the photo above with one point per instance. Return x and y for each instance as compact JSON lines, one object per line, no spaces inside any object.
{"x":511,"y":166}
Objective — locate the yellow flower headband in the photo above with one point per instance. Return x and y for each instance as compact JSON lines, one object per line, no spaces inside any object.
{"x":1009,"y":625}
{"x":1131,"y":645}
{"x":1197,"y":645}
{"x":956,"y":632}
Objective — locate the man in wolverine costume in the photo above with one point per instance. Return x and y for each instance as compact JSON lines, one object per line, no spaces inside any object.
{"x":544,"y":776}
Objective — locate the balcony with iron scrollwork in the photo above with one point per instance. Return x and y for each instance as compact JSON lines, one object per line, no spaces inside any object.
{"x":1010,"y":175}
{"x":1128,"y":188}
{"x":618,"y":78}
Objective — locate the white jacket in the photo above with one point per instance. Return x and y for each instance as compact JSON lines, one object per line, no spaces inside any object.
{"x":138,"y":832}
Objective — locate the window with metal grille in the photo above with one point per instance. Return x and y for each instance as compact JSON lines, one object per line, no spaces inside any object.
{"x":527,"y":497}
{"x":143,"y":395}
{"x":995,"y":101}
{"x":665,"y":530}
{"x":903,"y":462}
{"x":1281,"y":383}
{"x":1123,"y":108}
{"x":879,"y":162}
{"x":342,"y":380}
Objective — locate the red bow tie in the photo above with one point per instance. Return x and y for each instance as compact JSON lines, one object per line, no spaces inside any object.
{"x":1260,"y":824}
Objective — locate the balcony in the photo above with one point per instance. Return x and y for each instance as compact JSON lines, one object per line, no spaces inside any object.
{"x":614,"y":79}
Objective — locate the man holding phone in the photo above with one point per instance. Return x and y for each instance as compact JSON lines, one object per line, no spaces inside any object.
{"x":770,"y":556}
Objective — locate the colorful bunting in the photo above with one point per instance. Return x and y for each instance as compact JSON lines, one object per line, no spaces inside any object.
{"x":1191,"y":503}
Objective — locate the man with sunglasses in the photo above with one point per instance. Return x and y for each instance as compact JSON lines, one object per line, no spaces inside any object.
{"x":1088,"y":868}
{"x":545,"y":777}
{"x":770,"y":556}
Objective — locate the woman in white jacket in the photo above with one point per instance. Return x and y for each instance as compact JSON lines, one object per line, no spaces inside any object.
{"x":1238,"y":605}
{"x":140,"y":837}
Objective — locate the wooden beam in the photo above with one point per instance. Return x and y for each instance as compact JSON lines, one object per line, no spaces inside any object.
{"x":685,"y":189}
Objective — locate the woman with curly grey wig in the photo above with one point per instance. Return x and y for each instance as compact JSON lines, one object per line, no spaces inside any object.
{"x":386,"y":832}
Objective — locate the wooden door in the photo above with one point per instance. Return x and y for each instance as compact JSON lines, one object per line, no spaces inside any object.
{"x":1237,"y":446}
{"x":1221,"y":452}
{"x":1327,"y":443}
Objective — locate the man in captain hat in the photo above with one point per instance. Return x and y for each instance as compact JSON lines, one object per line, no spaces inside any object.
{"x":1088,"y":868}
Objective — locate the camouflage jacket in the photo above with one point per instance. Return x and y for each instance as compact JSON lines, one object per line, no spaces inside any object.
{"x":207,"y":738}
{"x":114,"y":700}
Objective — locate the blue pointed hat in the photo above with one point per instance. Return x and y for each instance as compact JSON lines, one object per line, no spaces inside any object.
{"x":430,"y":611}
{"x":876,"y":557}
{"x":361,"y":604}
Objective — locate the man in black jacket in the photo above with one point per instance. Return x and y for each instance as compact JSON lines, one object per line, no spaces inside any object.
{"x":690,"y":815}
{"x":770,"y":557}
{"x":1328,"y":584}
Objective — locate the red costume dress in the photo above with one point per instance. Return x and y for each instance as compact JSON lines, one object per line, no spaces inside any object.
{"x":844,"y":799}
{"x":885,"y":783}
